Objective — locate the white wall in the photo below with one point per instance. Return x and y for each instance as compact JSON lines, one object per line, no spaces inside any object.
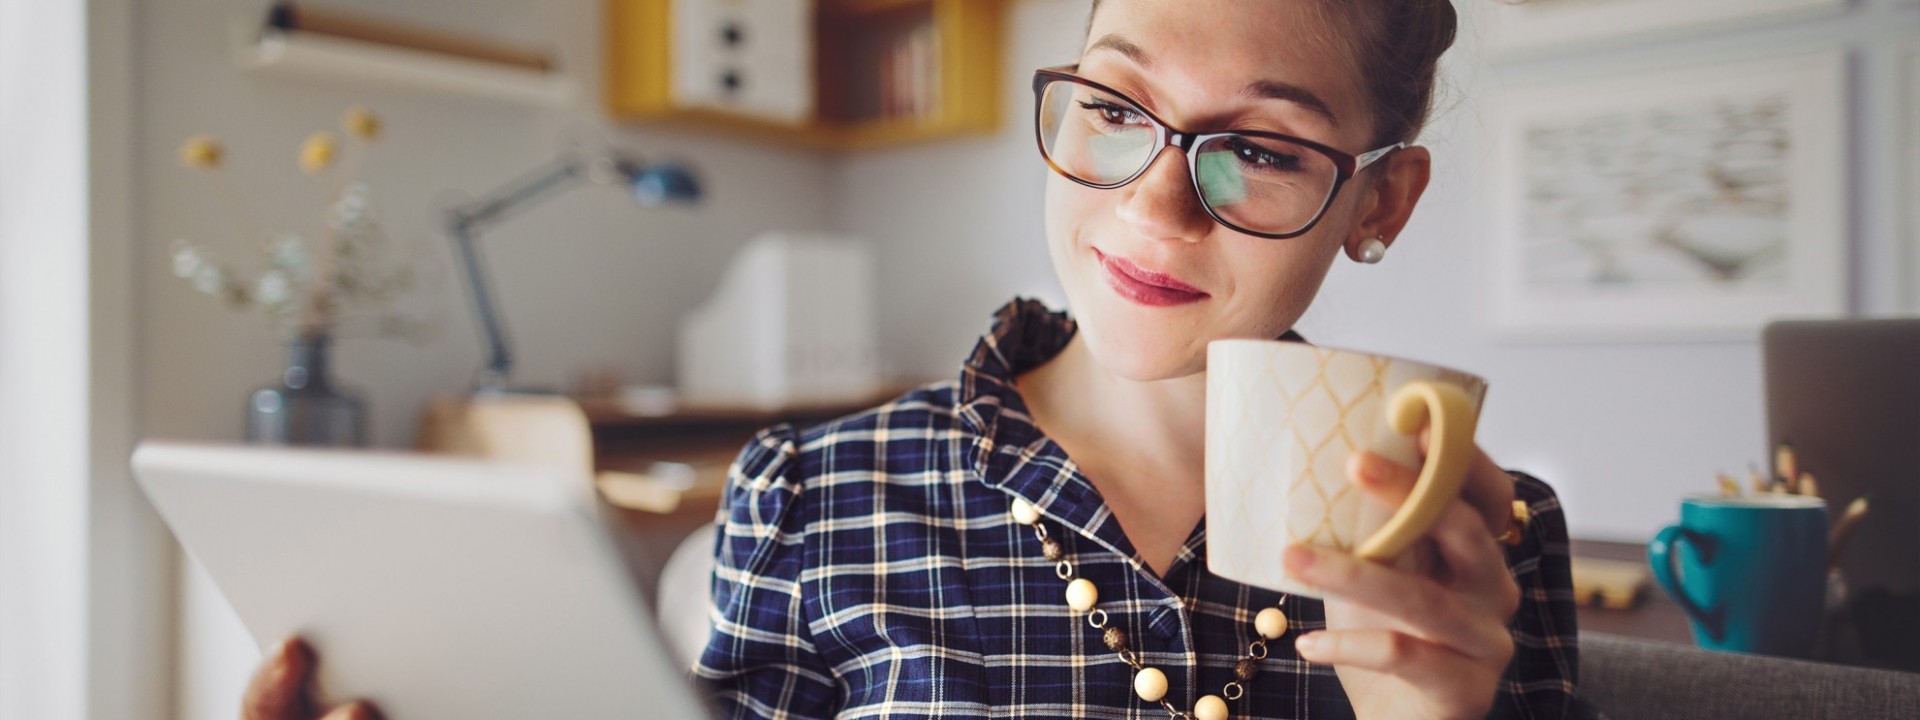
{"x":1621,"y":430}
{"x":43,"y":256}
{"x":84,"y":623}
{"x":585,"y":280}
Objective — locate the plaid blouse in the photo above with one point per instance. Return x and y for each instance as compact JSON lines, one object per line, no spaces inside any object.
{"x":870,"y":567}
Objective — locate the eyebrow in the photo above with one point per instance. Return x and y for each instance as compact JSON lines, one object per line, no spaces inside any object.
{"x":1257,"y":90}
{"x":1274,"y":90}
{"x":1124,"y":47}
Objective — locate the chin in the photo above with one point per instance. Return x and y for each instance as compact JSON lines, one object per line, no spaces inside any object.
{"x":1140,"y":344}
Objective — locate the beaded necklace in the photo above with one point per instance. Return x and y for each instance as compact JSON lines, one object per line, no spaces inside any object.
{"x":1149,"y":682}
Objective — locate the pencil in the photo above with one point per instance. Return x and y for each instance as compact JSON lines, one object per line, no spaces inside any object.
{"x":1786,"y":466}
{"x":1729,"y":488}
{"x":1844,"y":530}
{"x":1809,"y":486}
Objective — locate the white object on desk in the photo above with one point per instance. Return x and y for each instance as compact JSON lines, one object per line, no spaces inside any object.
{"x":791,"y":323}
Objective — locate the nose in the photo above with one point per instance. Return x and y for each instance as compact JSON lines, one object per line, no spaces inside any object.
{"x":1162,"y":204}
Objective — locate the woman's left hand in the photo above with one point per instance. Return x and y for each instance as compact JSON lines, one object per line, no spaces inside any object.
{"x":1428,"y":642}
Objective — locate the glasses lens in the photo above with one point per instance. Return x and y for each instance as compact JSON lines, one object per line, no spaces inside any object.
{"x":1093,"y":136}
{"x":1263,"y":184}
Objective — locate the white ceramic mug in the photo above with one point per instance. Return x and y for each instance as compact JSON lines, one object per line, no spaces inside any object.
{"x":1282,"y":420}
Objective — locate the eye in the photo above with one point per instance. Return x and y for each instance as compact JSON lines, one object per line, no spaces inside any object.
{"x":1114,"y":114}
{"x":1250,"y":153}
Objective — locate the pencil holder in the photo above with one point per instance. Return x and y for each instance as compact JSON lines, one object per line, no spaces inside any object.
{"x":1749,"y":572}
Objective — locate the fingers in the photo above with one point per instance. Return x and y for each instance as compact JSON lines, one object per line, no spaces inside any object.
{"x":278,"y":690}
{"x":1419,"y":663}
{"x":1415,"y":604}
{"x":1487,"y":488}
{"x":357,"y":710}
{"x":1474,"y":560}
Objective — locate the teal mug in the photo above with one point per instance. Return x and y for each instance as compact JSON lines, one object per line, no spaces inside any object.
{"x":1750,"y":572}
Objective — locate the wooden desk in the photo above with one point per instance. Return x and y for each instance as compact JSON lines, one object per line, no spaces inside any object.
{"x":1655,"y":617}
{"x":705,"y":439}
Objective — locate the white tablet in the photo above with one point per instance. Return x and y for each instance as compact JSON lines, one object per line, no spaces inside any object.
{"x":435,"y":588}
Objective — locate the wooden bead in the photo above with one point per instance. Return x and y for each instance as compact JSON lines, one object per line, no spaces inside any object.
{"x":1051,"y":550}
{"x":1025,"y":512}
{"x":1116,"y":639}
{"x":1210,"y":707}
{"x":1246,"y":669}
{"x":1082,"y":595}
{"x":1150,"y":684}
{"x":1270,"y":623}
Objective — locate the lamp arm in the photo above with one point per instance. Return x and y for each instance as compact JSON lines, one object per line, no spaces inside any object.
{"x":464,"y":223}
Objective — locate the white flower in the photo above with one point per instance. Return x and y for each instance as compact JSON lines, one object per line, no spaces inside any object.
{"x":290,"y":251}
{"x":186,"y":260}
{"x":273,"y":288}
{"x":208,"y":279}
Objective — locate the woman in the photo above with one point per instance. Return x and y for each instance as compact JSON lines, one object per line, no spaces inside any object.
{"x":886,"y":564}
{"x":873,"y":566}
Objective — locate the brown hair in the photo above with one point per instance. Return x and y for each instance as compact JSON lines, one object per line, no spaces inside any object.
{"x":1397,"y":45}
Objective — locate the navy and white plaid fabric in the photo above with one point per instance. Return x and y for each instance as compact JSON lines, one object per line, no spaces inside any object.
{"x":870,"y":568}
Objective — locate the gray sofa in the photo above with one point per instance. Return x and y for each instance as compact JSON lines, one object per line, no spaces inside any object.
{"x":1630,"y":679}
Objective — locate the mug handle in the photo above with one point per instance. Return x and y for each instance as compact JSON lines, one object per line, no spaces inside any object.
{"x":1450,"y":449}
{"x":1661,"y":555}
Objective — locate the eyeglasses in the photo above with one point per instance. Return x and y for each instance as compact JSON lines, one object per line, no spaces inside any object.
{"x":1259,"y":183}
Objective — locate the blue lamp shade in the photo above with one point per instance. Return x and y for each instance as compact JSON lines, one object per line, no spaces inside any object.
{"x":661,"y":183}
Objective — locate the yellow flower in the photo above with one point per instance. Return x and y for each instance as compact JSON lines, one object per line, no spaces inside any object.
{"x":362,"y":123}
{"x":201,"y":152}
{"x":317,"y":152}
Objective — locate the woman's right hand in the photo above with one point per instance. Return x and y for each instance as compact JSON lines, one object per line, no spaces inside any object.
{"x":282,"y":689}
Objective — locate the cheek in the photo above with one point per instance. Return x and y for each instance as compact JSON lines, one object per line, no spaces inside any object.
{"x":1072,"y":208}
{"x":1275,"y":283}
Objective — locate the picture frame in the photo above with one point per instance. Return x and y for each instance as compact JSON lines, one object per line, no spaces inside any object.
{"x":1693,"y":203}
{"x":1524,"y":27}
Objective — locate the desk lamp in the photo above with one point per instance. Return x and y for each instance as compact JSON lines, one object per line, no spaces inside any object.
{"x":650,"y":184}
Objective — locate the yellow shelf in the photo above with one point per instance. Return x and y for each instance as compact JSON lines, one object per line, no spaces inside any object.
{"x":969,"y":35}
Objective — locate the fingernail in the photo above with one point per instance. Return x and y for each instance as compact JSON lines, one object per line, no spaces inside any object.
{"x":1358,"y":467}
{"x":1307,"y":643}
{"x":1298,"y":558}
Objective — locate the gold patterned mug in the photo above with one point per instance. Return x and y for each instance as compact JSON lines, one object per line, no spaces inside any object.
{"x":1282,"y":420}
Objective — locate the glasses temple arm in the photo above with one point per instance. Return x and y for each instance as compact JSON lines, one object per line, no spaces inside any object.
{"x":1361,"y":161}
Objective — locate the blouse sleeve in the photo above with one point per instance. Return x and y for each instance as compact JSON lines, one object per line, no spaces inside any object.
{"x":1546,"y":656}
{"x":761,"y":661}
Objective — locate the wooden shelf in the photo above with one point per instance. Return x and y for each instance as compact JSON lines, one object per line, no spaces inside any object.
{"x":314,"y":56}
{"x":967,"y":41}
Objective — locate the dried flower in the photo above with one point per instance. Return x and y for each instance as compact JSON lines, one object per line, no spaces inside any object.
{"x":186,"y":260}
{"x":289,"y":252}
{"x":209,"y":279}
{"x":273,"y":288}
{"x":317,"y":152}
{"x":362,"y":123}
{"x":201,"y":152}
{"x":344,"y":281}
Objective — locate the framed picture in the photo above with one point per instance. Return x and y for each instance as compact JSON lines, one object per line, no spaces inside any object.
{"x":1692,"y":203}
{"x":1515,"y":27}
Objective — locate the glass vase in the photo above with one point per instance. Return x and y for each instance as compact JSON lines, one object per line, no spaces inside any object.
{"x":306,"y":407}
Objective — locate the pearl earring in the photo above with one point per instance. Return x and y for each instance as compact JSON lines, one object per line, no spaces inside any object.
{"x":1373,"y":251}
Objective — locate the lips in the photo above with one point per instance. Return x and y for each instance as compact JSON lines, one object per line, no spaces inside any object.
{"x":1144,"y":286}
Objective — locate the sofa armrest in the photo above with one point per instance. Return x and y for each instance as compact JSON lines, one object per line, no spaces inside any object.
{"x":1632,"y":678}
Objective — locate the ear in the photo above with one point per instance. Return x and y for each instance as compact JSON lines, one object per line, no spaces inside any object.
{"x":1390,"y":197}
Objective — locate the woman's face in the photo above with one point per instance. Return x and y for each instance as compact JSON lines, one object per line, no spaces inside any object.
{"x":1201,"y":66}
